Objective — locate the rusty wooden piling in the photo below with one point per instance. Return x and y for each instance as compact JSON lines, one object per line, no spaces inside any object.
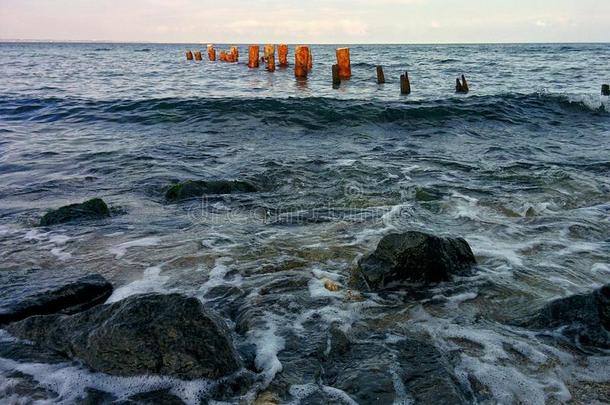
{"x":282,"y":54}
{"x":405,"y":84}
{"x":253,"y":52}
{"x":343,"y":60}
{"x":211,"y":53}
{"x":235,"y":52}
{"x":301,"y":61}
{"x":270,"y":55}
{"x":380,"y":75}
{"x":198,"y":56}
{"x":189,"y":55}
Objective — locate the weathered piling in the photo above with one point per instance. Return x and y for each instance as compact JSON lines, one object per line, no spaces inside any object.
{"x":301,"y":61}
{"x":380,"y":75}
{"x":235,"y":53}
{"x":282,"y":54}
{"x":230,"y":57}
{"x":310,"y":60}
{"x":270,"y":55}
{"x":461,"y":86}
{"x":605,"y":89}
{"x":189,"y":55}
{"x":198,"y":56}
{"x":211,"y":53}
{"x":405,"y":84}
{"x":253,"y":52}
{"x":223,"y":56}
{"x":336,"y":79}
{"x":345,"y":67}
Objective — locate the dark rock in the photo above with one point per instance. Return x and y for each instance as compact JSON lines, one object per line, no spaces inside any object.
{"x":92,"y":209}
{"x":583,"y":317}
{"x":28,"y":353}
{"x":416,"y":257}
{"x":144,"y":334}
{"x":197,"y":188}
{"x":42,"y":292}
{"x":427,"y":375}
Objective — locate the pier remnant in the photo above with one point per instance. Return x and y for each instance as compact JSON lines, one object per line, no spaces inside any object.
{"x":253,"y":52}
{"x":198,"y":56}
{"x":211,"y":53}
{"x":270,"y":55}
{"x":282,"y":54}
{"x":235,"y":53}
{"x":223,"y":56}
{"x":336,"y":79}
{"x":380,"y":75}
{"x":301,"y":61}
{"x":345,"y":67}
{"x":310,"y":60}
{"x":189,"y":55}
{"x":405,"y":84}
{"x":461,"y":86}
{"x":605,"y":89}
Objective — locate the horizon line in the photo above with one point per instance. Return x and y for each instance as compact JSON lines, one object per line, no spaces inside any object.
{"x":103,"y":41}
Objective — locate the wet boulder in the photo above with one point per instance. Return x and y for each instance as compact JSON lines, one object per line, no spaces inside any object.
{"x":42,"y":292}
{"x":143,"y":334}
{"x":89,"y":210}
{"x":415,"y":257}
{"x":585,"y":318}
{"x":198,"y":188}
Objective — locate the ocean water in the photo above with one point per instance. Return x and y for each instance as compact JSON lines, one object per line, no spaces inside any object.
{"x":519,"y":168}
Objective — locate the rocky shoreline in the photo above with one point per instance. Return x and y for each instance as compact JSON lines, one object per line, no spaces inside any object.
{"x":60,"y":316}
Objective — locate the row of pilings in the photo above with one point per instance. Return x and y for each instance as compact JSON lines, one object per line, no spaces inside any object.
{"x":303,"y":64}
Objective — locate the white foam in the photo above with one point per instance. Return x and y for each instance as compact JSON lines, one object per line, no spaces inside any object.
{"x":120,"y":250}
{"x":35,"y":234}
{"x":151,"y":281}
{"x":217,"y":277}
{"x":600,"y":268}
{"x":70,"y":382}
{"x":60,"y":254}
{"x":268,"y":345}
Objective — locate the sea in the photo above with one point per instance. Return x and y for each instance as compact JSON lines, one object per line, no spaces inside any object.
{"x":519,"y":167}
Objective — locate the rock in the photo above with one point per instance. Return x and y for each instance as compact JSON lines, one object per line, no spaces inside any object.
{"x":92,"y":209}
{"x":416,"y":257}
{"x":42,"y":292}
{"x":143,"y":334}
{"x":583,"y":317}
{"x":197,"y":188}
{"x":428,"y":376}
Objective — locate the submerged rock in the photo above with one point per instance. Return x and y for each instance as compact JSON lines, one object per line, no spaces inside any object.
{"x":92,"y":209}
{"x":42,"y":292}
{"x":197,"y":188}
{"x":583,"y":317}
{"x":417,"y":257}
{"x":144,"y":334}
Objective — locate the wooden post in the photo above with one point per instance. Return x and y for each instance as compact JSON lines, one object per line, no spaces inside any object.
{"x":301,"y":61}
{"x":282,"y":53}
{"x":198,"y":56}
{"x":605,"y":89}
{"x":223,"y":56}
{"x":230,"y":57}
{"x":461,"y":87}
{"x":253,"y":51}
{"x":270,"y":58}
{"x":405,"y":84}
{"x":465,"y":85}
{"x":235,"y":52}
{"x":380,"y":75}
{"x":211,"y":53}
{"x":189,"y":55}
{"x":310,"y":61}
{"x":345,"y":67}
{"x":336,"y":79}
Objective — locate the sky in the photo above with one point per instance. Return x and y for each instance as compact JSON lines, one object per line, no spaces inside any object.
{"x":307,"y":21}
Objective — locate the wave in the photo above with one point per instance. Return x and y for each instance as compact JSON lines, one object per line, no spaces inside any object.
{"x":314,"y":113}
